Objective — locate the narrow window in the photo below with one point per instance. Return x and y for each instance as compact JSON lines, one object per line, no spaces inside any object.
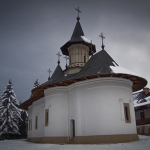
{"x":70,"y":60}
{"x":72,"y":128}
{"x":46,"y":117}
{"x":84,"y":59}
{"x":36,"y":122}
{"x":29,"y":125}
{"x":127,"y":113}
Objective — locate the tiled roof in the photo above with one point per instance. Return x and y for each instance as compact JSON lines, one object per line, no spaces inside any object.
{"x":98,"y":64}
{"x":57,"y":73}
{"x":78,"y":32}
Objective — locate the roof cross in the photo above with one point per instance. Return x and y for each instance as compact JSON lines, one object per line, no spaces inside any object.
{"x":66,"y":60}
{"x":101,"y":35}
{"x":49,"y":71}
{"x":78,"y":10}
{"x":91,"y":48}
{"x":58,"y":57}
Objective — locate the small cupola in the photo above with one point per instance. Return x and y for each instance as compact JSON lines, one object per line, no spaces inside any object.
{"x":78,"y":48}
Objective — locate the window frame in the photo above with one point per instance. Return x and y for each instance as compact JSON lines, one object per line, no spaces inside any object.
{"x":46,"y":117}
{"x":127,"y":114}
{"x":36,"y":122}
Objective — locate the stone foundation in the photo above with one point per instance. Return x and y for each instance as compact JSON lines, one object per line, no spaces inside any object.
{"x":86,"y":139}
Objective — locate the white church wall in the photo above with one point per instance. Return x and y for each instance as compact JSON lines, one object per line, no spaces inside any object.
{"x":95,"y":106}
{"x":30,"y":118}
{"x":37,"y":110}
{"x":74,"y":107}
{"x":56,"y":100}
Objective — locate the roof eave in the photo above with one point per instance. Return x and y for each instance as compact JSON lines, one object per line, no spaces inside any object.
{"x":64,"y":48}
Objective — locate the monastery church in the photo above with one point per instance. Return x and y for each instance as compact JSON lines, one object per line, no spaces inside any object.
{"x":89,"y":102}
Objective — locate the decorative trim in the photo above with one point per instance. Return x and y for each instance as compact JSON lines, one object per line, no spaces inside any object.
{"x":121,"y":109}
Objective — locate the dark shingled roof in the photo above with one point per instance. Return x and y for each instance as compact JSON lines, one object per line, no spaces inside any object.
{"x":77,"y":33}
{"x":57,"y":73}
{"x":98,"y":64}
{"x":76,"y":39}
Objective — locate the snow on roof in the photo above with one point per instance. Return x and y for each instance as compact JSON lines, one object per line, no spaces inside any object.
{"x":86,"y":39}
{"x":142,"y":102}
{"x":119,"y":69}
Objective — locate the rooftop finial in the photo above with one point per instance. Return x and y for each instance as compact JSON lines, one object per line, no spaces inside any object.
{"x":91,"y":49}
{"x":66,"y":61}
{"x":102,"y":41}
{"x":49,"y":71}
{"x":58,"y":57}
{"x":79,"y":11}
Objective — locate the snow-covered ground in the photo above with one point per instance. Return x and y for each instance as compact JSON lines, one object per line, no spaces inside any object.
{"x":142,"y":144}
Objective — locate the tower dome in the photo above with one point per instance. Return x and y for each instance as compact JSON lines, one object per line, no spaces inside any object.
{"x":78,"y":48}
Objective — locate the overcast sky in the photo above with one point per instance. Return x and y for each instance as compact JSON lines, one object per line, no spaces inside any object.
{"x":32,"y":32}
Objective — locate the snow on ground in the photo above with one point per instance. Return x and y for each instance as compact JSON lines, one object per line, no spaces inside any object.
{"x":142,"y":144}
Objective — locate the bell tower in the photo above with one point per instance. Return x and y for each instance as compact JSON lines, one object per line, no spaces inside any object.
{"x":78,"y":48}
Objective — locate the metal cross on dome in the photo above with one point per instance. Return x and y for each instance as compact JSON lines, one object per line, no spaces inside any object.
{"x":58,"y":57}
{"x":49,"y":71}
{"x":101,"y":35}
{"x":78,"y":10}
{"x":91,"y":48}
{"x":66,"y":60}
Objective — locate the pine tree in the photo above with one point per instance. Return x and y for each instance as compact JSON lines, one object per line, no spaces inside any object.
{"x":0,"y":106}
{"x":36,"y":83}
{"x":23,"y":124}
{"x":10,"y":114}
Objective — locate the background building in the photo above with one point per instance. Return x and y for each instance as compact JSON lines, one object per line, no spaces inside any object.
{"x":142,"y":111}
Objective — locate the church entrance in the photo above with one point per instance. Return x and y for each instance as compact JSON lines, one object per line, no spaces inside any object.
{"x":72,"y":128}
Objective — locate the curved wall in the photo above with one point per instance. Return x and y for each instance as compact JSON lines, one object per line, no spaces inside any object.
{"x":97,"y":107}
{"x":90,"y":111}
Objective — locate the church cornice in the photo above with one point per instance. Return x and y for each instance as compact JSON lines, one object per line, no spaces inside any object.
{"x":138,"y":83}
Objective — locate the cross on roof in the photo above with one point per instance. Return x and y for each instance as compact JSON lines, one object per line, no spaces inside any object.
{"x":91,"y":48}
{"x":49,"y":71}
{"x":66,"y":60}
{"x":78,"y":10}
{"x":101,"y":35}
{"x":58,"y":57}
